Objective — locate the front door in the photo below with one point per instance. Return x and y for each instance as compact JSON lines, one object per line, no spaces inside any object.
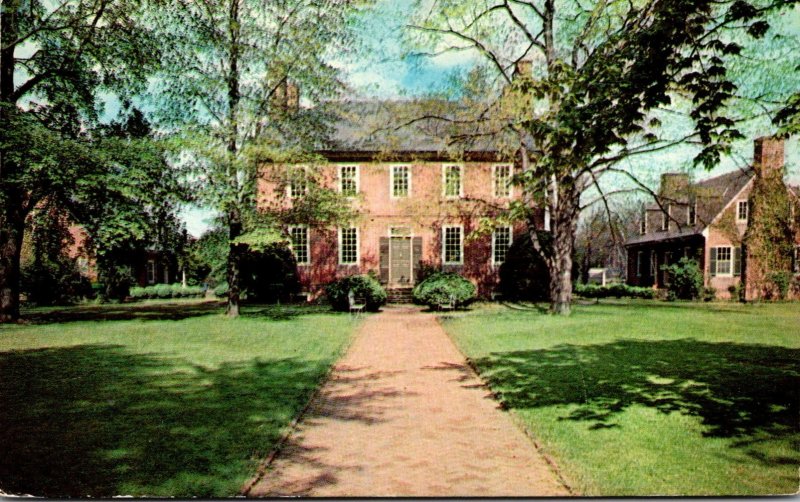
{"x":400,"y":261}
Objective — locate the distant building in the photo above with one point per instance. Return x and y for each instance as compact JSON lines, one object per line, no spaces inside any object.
{"x":706,"y":220}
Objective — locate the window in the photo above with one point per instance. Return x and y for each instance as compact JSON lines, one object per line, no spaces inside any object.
{"x":720,"y":262}
{"x":639,"y":263}
{"x":643,"y":223}
{"x":796,"y":260}
{"x":300,"y":244}
{"x":151,"y":271}
{"x":501,"y":241}
{"x":741,"y":210}
{"x":501,"y":180}
{"x":348,"y":246}
{"x":452,"y":248}
{"x":298,"y":184}
{"x":692,"y":218}
{"x":401,"y":181}
{"x":348,"y":180}
{"x":665,"y":219}
{"x":652,"y":263}
{"x":166,"y":274}
{"x":453,"y":185}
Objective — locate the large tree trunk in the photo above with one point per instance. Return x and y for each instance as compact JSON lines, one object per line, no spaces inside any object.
{"x":565,"y":213}
{"x":234,"y":264}
{"x":12,"y":227}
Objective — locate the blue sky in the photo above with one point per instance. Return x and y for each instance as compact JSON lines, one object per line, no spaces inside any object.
{"x":379,"y":70}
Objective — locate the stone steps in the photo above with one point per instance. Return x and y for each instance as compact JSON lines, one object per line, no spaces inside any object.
{"x":399,"y":295}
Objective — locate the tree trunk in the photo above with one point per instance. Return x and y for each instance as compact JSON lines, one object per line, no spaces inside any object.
{"x":234,"y":264}
{"x":565,"y":223}
{"x":12,"y":227}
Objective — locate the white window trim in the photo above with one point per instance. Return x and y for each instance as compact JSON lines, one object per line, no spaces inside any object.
{"x":653,"y":265}
{"x":358,"y":178}
{"x":494,"y":181}
{"x":391,"y":181}
{"x":691,"y":208}
{"x":747,"y":211}
{"x":308,"y":243}
{"x":150,"y":263}
{"x":730,"y":261}
{"x":461,"y":245}
{"x":289,"y":185}
{"x":639,"y":259}
{"x":460,"y":179}
{"x":358,"y":248}
{"x":510,"y":240}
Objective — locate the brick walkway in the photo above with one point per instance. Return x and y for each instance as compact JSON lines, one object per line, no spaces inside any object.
{"x":402,"y":415}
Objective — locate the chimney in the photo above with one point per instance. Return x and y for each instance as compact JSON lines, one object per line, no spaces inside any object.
{"x":768,"y":155}
{"x":524,"y":68}
{"x":287,"y":96}
{"x":674,"y":186}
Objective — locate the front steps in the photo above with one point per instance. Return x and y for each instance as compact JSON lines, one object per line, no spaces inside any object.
{"x":399,"y":295}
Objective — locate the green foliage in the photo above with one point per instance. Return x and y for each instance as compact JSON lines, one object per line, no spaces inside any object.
{"x":524,"y":275}
{"x":685,"y":279}
{"x":613,"y":290}
{"x":221,"y":290}
{"x":166,"y":291}
{"x":362,"y":286}
{"x":709,"y":294}
{"x":439,"y":289}
{"x":782,"y":281}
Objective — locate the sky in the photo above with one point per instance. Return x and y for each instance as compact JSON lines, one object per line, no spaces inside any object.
{"x":379,"y":70}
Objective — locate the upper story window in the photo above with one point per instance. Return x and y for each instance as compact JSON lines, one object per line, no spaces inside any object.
{"x":400,"y":181}
{"x":452,"y":181}
{"x":501,"y":180}
{"x":300,"y":244}
{"x":298,"y":181}
{"x":348,"y":180}
{"x":452,"y":245}
{"x":691,"y":219}
{"x":348,"y":245}
{"x":501,"y":242}
{"x":742,"y":209}
{"x":643,"y":223}
{"x":665,"y":218}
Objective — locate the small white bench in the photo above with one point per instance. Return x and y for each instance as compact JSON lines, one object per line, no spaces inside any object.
{"x":451,"y":305}
{"x":357,"y":305}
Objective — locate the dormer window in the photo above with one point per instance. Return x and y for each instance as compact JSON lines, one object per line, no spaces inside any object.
{"x":742,"y":210}
{"x":665,"y":219}
{"x":692,"y":218}
{"x":643,"y":224}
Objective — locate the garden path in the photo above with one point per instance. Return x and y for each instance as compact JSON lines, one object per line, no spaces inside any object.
{"x":403,"y":415}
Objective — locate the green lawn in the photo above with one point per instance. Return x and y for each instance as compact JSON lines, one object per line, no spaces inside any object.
{"x":154,"y":399}
{"x":651,"y":397}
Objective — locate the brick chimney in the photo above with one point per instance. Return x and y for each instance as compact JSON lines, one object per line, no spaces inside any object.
{"x":767,"y":155}
{"x":524,"y":68}
{"x":287,"y":96}
{"x":674,"y":186}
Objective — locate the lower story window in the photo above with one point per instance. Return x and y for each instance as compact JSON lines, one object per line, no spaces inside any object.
{"x":151,"y":271}
{"x":501,"y":242}
{"x":796,"y":260}
{"x":299,"y":239}
{"x":348,"y":245}
{"x":452,"y":249}
{"x":725,"y":260}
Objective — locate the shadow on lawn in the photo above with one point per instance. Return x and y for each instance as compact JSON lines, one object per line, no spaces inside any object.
{"x":94,"y":420}
{"x":737,"y":390}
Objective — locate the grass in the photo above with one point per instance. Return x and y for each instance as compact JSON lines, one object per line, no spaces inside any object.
{"x":650,"y":398}
{"x":156,"y":399}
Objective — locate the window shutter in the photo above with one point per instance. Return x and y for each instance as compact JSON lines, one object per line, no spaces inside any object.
{"x":737,"y":261}
{"x":713,"y":262}
{"x":384,"y":259}
{"x":417,"y":254}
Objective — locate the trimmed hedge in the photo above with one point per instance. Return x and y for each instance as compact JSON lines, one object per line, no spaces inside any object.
{"x":166,"y":291}
{"x":363,"y":286}
{"x":613,"y":290}
{"x":438,"y":288}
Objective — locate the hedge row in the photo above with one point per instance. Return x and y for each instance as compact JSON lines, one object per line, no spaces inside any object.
{"x":613,"y":290}
{"x":440,"y":288}
{"x":166,"y":291}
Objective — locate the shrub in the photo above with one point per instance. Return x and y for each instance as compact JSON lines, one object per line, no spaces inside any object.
{"x":613,"y":290}
{"x":363,"y":286}
{"x":782,"y":280}
{"x":439,"y":288}
{"x":221,"y":291}
{"x":48,"y":282}
{"x":524,"y":275}
{"x":685,"y":279}
{"x":162,"y":291}
{"x":138,"y":293}
{"x":709,"y":294}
